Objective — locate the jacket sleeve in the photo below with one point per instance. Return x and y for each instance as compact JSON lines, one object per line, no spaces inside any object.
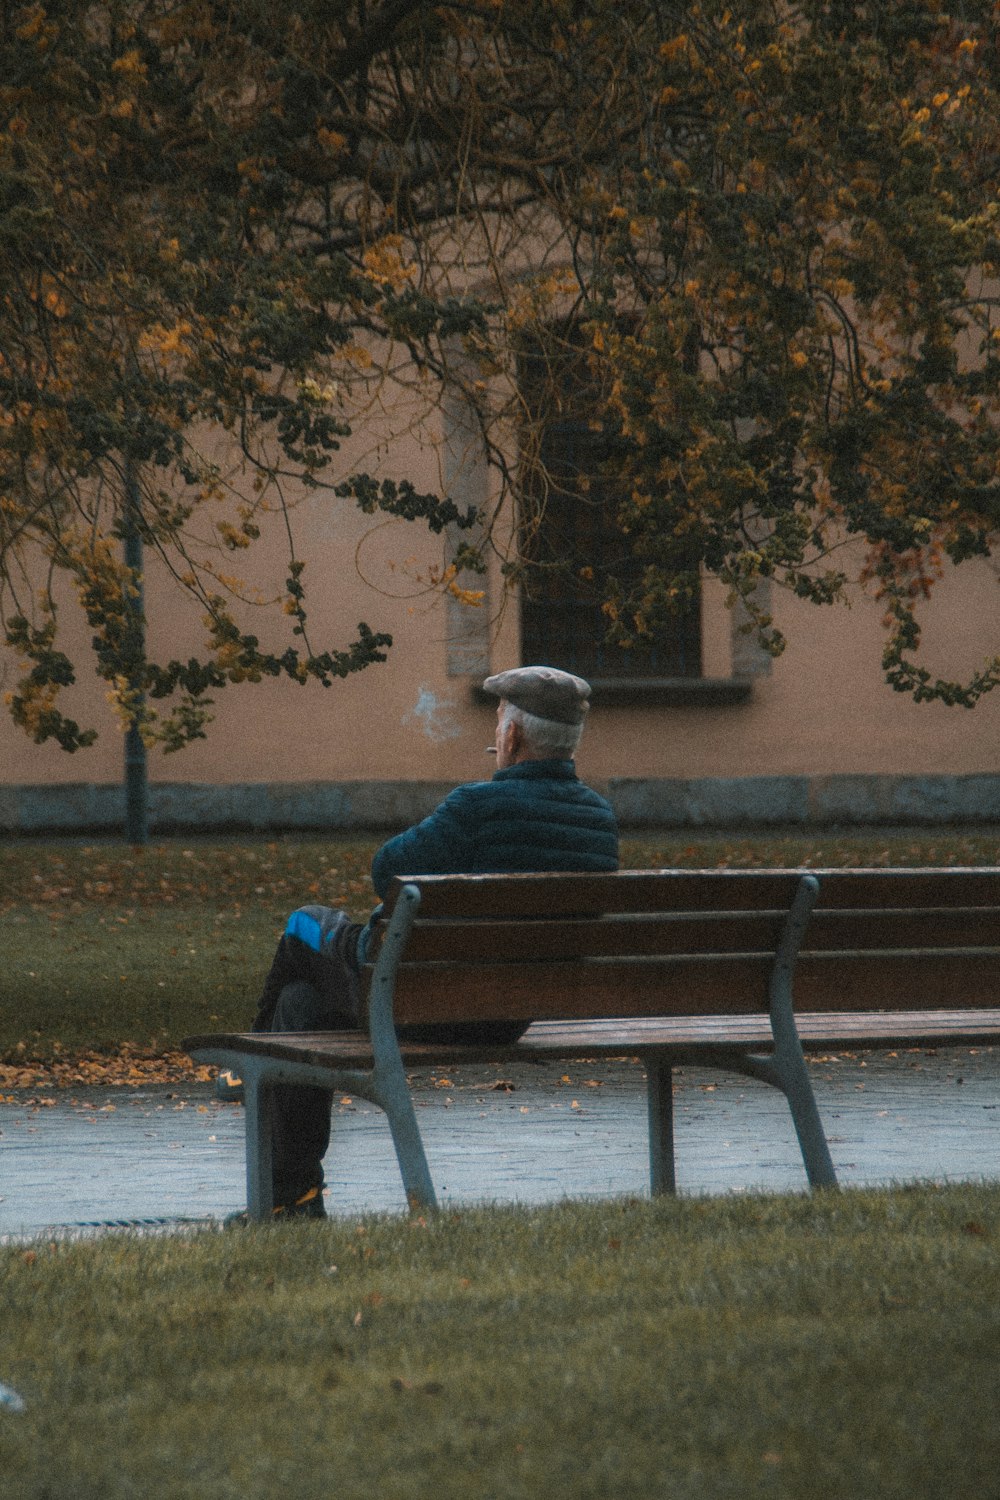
{"x":440,"y":845}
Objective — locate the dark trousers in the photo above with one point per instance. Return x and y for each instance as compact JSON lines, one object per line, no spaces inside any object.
{"x":312,"y":986}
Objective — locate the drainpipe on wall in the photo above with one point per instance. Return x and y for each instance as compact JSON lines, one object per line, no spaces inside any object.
{"x":136,"y":780}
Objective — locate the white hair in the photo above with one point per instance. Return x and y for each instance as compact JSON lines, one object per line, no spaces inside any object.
{"x":546,"y":738}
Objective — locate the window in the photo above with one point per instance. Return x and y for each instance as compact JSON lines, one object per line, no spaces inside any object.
{"x":571,"y":537}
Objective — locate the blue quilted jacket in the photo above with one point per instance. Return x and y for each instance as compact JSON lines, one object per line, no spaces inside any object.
{"x":534,"y":816}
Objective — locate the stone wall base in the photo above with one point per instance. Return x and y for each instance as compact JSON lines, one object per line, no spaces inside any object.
{"x":386,"y":806}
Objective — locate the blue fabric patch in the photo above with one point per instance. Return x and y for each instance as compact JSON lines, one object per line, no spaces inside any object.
{"x":306,"y":928}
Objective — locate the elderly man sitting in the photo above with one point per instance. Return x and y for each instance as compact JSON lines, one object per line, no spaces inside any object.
{"x":534,"y":814}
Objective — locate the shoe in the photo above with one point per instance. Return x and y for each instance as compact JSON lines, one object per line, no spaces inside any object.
{"x":309,"y":1206}
{"x":229,"y":1087}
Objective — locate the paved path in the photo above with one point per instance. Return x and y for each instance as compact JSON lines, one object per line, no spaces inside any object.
{"x":530,"y":1134}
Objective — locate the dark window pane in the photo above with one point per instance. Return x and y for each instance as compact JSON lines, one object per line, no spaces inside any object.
{"x":571,"y":536}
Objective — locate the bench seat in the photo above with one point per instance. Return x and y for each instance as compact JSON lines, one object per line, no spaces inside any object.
{"x":671,"y":966}
{"x":821,"y":1031}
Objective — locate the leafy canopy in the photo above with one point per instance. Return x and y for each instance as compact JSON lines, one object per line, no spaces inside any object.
{"x":771,"y":229}
{"x":166,"y":175}
{"x":779,"y":224}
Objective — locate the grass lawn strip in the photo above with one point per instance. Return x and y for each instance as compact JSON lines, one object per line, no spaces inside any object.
{"x":829,"y":1346}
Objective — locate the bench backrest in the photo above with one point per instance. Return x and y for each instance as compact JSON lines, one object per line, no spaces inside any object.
{"x":695,"y":942}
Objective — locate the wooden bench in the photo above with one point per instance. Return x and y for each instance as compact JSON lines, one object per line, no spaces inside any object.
{"x":673,"y":966}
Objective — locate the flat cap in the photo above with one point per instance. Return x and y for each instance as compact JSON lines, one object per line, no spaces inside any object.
{"x":544,"y":691}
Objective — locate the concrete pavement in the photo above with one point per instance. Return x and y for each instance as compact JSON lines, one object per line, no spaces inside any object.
{"x":533,"y":1133}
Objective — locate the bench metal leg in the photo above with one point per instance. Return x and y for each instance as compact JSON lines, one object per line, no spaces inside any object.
{"x":787,"y":1069}
{"x":392,"y":1092}
{"x":660,"y":1100}
{"x":258,"y":1102}
{"x":809,"y":1127}
{"x":789,"y":1073}
{"x":394,"y":1097}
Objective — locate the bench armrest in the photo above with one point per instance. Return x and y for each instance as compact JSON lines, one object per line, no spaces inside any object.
{"x":381,"y":1026}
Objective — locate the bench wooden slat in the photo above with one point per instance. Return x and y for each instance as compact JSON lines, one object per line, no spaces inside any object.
{"x":822,"y":1031}
{"x":523,"y":896}
{"x":696,"y":984}
{"x":693,"y":890}
{"x":463,"y":940}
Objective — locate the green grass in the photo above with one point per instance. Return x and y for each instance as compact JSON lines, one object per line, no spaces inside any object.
{"x":110,"y":945}
{"x":106,"y":945}
{"x":839,"y":1346}
{"x":832,"y":1347}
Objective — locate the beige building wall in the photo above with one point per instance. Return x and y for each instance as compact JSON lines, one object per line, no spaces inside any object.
{"x":821,"y":709}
